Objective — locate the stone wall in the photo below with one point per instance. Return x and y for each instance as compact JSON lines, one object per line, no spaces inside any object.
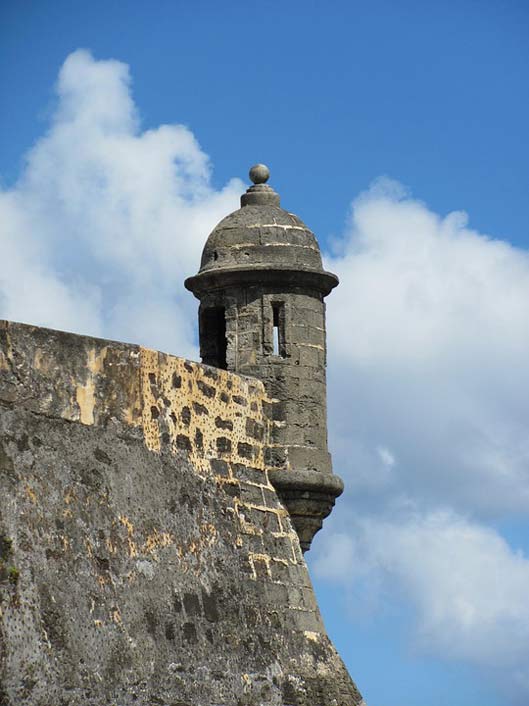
{"x":144,"y":555}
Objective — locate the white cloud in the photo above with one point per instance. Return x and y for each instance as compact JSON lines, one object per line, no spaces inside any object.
{"x":433,"y":361}
{"x":386,"y":456}
{"x":429,"y":409}
{"x":468,"y":588}
{"x":106,"y":220}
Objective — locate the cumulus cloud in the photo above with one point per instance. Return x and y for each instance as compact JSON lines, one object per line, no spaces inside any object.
{"x":429,"y":410}
{"x":107,"y":220}
{"x":468,"y":588}
{"x":432,"y":364}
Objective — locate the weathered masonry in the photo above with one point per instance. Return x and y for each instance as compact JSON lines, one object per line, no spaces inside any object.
{"x":261,"y":287}
{"x":150,"y":508}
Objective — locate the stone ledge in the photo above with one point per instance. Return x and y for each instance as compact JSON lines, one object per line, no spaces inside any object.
{"x":309,"y":497}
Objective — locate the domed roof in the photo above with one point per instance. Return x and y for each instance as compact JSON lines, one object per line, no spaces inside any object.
{"x":261,"y":241}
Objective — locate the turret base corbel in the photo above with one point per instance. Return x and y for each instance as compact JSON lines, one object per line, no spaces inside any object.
{"x":309,"y":497}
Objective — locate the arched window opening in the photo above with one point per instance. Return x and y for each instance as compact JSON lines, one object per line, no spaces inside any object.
{"x":213,"y":343}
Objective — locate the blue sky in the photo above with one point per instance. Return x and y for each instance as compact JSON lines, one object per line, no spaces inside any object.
{"x":383,"y":124}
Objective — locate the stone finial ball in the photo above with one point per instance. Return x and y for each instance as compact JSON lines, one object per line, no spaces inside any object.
{"x":259,"y":173}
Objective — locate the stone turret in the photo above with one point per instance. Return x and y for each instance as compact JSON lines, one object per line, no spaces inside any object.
{"x":261,"y":287}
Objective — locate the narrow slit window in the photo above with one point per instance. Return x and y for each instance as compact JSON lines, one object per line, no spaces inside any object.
{"x":278,"y":329}
{"x":276,"y":334}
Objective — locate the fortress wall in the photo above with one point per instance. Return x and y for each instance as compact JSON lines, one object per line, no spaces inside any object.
{"x":144,"y":556}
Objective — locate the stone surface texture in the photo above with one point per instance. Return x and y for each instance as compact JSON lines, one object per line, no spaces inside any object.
{"x":145,"y":557}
